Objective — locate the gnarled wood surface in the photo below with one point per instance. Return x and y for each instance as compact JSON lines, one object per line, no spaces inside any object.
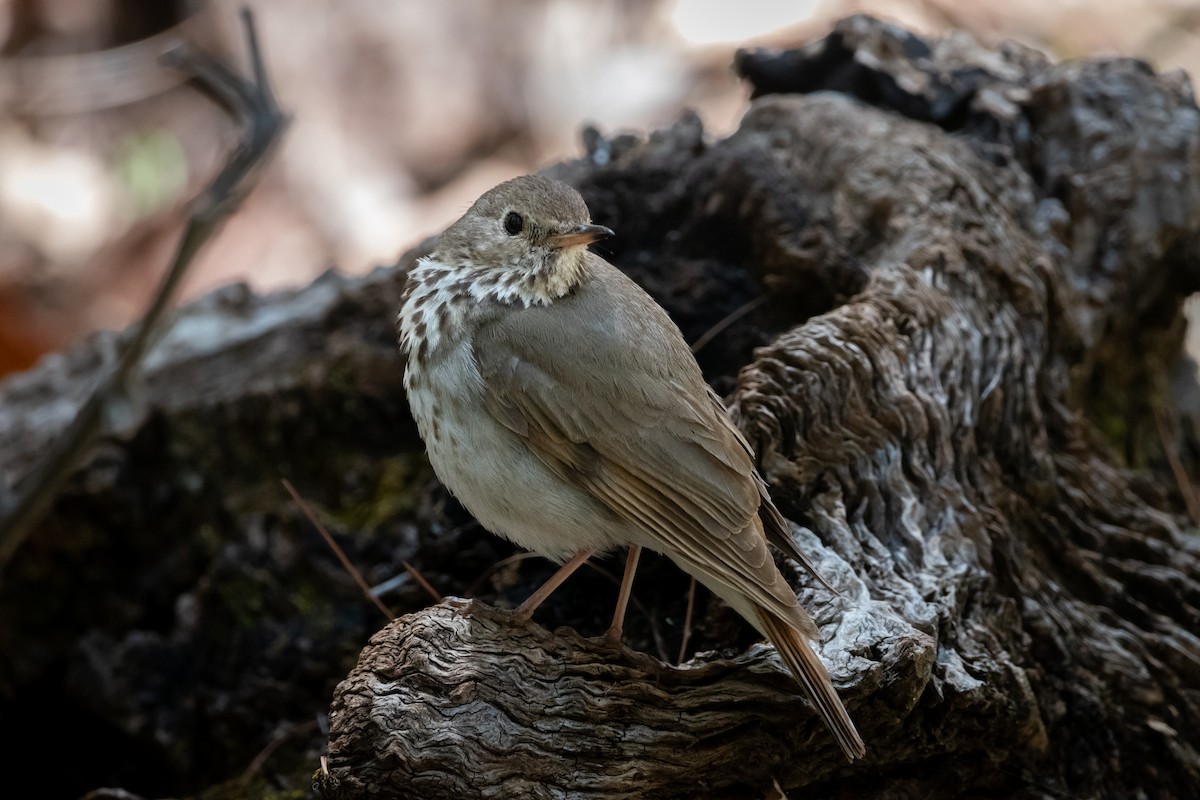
{"x":976,"y":262}
{"x":1015,"y":617}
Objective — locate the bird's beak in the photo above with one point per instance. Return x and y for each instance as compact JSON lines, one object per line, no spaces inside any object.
{"x":582,"y":234}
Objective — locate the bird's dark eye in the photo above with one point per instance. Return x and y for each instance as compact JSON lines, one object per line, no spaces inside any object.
{"x":514,"y":223}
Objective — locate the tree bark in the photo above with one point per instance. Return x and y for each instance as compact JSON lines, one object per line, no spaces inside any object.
{"x":973,"y":247}
{"x":975,"y":262}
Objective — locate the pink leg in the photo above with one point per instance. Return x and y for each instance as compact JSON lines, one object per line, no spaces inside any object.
{"x":525,"y":610}
{"x":613,"y":635}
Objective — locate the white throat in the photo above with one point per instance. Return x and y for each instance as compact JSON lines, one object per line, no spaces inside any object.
{"x":443,"y":298}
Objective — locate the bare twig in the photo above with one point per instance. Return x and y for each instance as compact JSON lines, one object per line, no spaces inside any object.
{"x":776,"y":791}
{"x":726,"y":321}
{"x":656,"y":634}
{"x":290,"y":730}
{"x":254,"y":106}
{"x":687,"y":622}
{"x":337,"y":551}
{"x":1181,"y":476}
{"x":424,"y":584}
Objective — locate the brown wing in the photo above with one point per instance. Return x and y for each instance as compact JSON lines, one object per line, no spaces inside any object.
{"x":603,"y":389}
{"x":774,"y":525}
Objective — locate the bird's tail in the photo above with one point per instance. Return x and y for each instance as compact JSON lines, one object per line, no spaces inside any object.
{"x":811,"y":674}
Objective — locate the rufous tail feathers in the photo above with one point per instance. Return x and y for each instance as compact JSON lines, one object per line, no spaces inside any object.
{"x":811,"y":674}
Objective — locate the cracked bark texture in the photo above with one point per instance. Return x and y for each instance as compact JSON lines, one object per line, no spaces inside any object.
{"x":975,"y":247}
{"x":975,"y":262}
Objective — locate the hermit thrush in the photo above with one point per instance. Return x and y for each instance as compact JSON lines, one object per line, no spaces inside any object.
{"x":563,"y":408}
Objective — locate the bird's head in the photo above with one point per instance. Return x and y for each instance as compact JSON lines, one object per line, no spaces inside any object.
{"x":529,"y":234}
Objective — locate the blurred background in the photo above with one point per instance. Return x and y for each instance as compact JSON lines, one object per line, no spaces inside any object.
{"x":404,"y":111}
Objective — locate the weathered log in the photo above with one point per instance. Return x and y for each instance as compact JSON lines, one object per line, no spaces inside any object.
{"x":1015,"y":617}
{"x":975,"y":262}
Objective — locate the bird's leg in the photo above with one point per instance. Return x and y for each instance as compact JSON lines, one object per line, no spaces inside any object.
{"x":613,"y":635}
{"x":525,"y":611}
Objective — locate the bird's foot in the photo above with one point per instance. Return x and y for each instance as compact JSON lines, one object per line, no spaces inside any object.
{"x":613,"y":638}
{"x":522,"y":615}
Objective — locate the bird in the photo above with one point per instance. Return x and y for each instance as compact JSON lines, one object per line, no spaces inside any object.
{"x":561,"y":405}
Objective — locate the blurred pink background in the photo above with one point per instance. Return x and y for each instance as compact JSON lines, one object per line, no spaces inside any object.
{"x":404,"y":111}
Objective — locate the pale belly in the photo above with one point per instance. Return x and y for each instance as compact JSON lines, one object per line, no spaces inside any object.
{"x":494,"y":474}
